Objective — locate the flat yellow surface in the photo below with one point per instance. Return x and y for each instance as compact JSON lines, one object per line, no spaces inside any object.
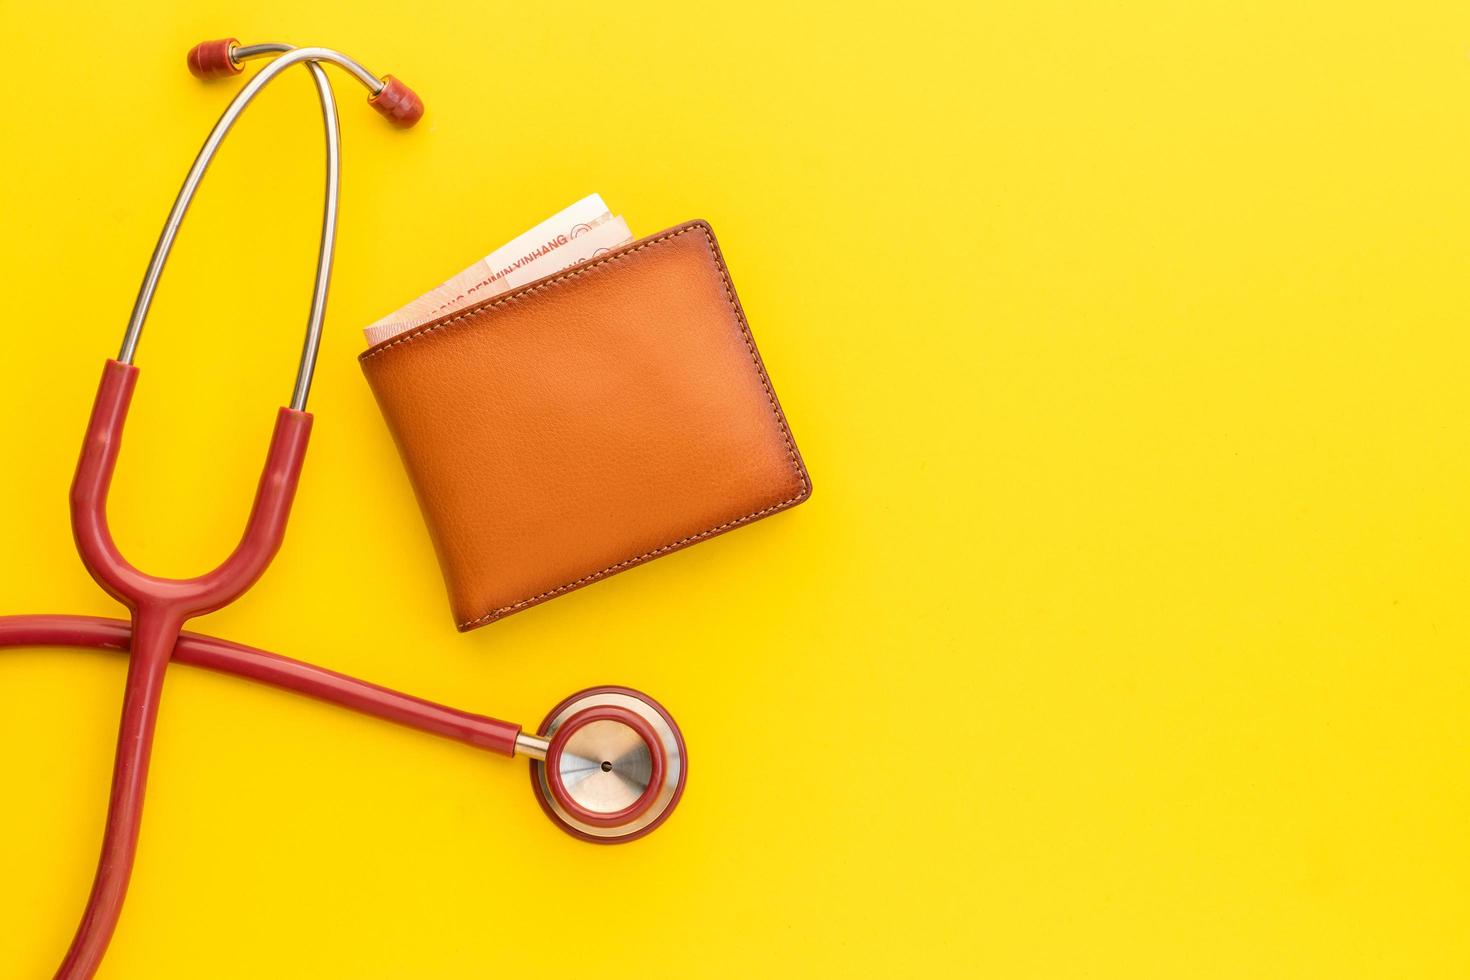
{"x":1125,"y":635}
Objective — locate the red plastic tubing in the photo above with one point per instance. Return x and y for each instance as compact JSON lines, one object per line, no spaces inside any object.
{"x":125,"y":806}
{"x":159,"y":608}
{"x":239,"y":660}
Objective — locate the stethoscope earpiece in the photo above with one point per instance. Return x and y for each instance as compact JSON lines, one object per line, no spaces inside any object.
{"x":397,"y":103}
{"x":211,"y":59}
{"x":392,"y":99}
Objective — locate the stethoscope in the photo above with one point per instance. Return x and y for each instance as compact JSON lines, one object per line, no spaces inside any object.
{"x":608,"y":763}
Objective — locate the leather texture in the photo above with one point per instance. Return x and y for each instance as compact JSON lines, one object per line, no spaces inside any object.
{"x":587,"y":423}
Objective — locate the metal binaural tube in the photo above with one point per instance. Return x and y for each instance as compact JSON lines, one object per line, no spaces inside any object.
{"x":245,"y":52}
{"x":196,"y":173}
{"x":316,"y":315}
{"x":283,"y":673}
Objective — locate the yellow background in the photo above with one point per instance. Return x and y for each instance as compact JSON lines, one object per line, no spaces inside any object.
{"x":1124,"y":635}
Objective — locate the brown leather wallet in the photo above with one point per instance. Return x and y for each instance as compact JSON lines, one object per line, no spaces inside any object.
{"x":586,"y":423}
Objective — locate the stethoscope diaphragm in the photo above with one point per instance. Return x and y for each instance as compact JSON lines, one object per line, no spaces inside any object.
{"x":614,"y":767}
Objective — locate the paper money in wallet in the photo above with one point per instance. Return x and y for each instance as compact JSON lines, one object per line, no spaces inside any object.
{"x":576,"y":233}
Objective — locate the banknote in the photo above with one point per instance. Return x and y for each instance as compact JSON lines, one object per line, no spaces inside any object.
{"x":603,"y":238}
{"x":574,"y":234}
{"x":526,"y":249}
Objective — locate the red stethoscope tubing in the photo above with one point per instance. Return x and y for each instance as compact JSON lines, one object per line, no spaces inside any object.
{"x":154,"y":637}
{"x":159,"y":607}
{"x":239,"y":660}
{"x":135,"y":736}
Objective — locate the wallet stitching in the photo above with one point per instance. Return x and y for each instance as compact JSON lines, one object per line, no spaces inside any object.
{"x":760,"y":371}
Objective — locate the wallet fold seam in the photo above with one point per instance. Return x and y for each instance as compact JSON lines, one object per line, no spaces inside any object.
{"x":717,"y":260}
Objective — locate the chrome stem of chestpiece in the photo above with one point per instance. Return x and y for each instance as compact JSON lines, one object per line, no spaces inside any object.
{"x":532,"y":746}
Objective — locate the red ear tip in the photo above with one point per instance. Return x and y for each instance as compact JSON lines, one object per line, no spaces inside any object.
{"x":397,"y":103}
{"x":211,"y":59}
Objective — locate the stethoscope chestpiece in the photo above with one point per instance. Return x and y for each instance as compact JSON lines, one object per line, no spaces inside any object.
{"x":615,"y":765}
